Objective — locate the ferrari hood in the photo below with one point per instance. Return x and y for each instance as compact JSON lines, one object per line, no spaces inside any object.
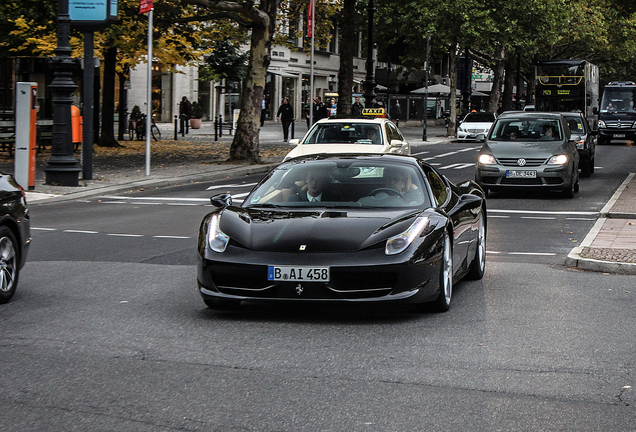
{"x":337,"y":230}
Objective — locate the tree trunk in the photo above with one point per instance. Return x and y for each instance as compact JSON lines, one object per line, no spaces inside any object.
{"x":107,"y":138}
{"x":452,"y":120}
{"x":347,"y":50}
{"x":495,"y":94}
{"x":509,"y":82}
{"x":245,"y":144}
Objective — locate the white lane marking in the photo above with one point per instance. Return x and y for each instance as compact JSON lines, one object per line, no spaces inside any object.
{"x":232,"y":185}
{"x":532,"y":253}
{"x":583,"y":219}
{"x":522,"y":253}
{"x":125,"y":235}
{"x":81,"y":232}
{"x":43,"y":229}
{"x":466,"y":165}
{"x":152,"y":198}
{"x":419,"y":153}
{"x":170,"y":237}
{"x":579,"y":213}
{"x":498,"y":216}
{"x":538,"y":217}
{"x":450,"y":166}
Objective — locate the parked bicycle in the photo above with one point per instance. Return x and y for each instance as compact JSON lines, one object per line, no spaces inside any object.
{"x":137,"y":129}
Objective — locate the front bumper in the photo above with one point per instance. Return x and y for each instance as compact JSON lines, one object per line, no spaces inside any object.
{"x":607,"y":134}
{"x":367,"y":276}
{"x":497,"y":177}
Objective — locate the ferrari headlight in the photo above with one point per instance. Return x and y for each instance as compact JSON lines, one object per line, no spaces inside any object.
{"x":486,"y":159}
{"x":558,"y":160}
{"x":217,"y":239}
{"x":400,"y":242}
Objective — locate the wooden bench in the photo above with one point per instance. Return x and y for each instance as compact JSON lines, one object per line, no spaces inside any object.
{"x":7,"y":134}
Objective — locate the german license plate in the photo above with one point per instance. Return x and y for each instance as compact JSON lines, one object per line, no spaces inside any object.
{"x":521,"y":174}
{"x":306,"y":274}
{"x":619,"y":135}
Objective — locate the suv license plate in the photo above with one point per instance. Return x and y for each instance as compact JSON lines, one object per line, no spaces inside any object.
{"x":521,"y":174}
{"x":619,"y":135}
{"x":306,"y":274}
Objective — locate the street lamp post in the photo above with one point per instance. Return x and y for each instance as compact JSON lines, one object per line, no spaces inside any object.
{"x":369,"y":82}
{"x":62,"y":168}
{"x":428,"y":52}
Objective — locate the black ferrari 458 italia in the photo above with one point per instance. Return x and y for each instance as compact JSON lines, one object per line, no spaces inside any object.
{"x":344,"y":228}
{"x":15,"y":235}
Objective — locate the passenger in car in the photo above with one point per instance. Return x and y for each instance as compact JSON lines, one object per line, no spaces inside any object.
{"x":317,"y":181}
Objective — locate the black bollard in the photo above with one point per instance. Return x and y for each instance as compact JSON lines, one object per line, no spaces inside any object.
{"x":220,"y":125}
{"x":216,"y":125}
{"x":176,"y":126}
{"x":293,"y":127}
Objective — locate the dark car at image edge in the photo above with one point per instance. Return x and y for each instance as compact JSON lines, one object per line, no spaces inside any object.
{"x":15,"y":235}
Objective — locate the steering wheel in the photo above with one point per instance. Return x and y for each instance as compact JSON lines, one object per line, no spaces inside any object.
{"x":388,"y":191}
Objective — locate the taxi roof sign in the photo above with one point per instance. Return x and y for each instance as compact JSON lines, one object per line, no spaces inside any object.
{"x":373,"y":111}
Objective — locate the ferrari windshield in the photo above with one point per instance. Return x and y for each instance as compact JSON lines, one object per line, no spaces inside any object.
{"x":524,"y":129}
{"x":342,"y":183}
{"x":345,"y":133}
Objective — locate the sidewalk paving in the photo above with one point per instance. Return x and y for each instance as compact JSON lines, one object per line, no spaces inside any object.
{"x":610,"y":246}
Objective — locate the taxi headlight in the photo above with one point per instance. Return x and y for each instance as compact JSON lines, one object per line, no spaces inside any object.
{"x":486,"y":159}
{"x":558,"y":160}
{"x":217,"y":239}
{"x":400,"y":242}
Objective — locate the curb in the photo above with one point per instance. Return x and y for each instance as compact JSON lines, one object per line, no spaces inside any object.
{"x":574,"y":259}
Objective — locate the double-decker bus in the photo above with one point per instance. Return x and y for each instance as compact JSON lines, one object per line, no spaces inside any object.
{"x":617,"y":117}
{"x":568,"y":85}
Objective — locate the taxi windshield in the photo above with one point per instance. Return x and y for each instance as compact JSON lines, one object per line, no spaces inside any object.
{"x":345,"y":133}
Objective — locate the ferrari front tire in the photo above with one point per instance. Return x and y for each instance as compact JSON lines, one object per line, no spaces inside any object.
{"x":443,"y":301}
{"x":478,"y":265}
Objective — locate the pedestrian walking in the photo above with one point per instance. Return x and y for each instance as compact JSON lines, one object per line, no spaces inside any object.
{"x":185,"y":112}
{"x":307,"y":112}
{"x":286,"y":115}
{"x":263,"y":109}
{"x":357,"y":107}
{"x":397,"y":112}
{"x":320,"y":110}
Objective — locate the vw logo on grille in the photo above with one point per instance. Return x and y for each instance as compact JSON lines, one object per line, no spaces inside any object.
{"x":521,"y":162}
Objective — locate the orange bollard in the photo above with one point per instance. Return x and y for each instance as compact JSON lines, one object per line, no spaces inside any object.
{"x":76,"y":121}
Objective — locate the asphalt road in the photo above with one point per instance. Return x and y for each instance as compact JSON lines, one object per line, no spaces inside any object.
{"x":108,"y":333}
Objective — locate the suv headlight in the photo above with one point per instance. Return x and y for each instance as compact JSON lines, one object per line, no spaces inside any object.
{"x":601,"y":124}
{"x":558,"y":160}
{"x":486,"y":159}
{"x":400,"y":242}
{"x":217,"y":239}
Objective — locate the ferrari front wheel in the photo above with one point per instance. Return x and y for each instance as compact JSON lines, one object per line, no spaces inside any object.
{"x":478,"y":265}
{"x":443,"y":301}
